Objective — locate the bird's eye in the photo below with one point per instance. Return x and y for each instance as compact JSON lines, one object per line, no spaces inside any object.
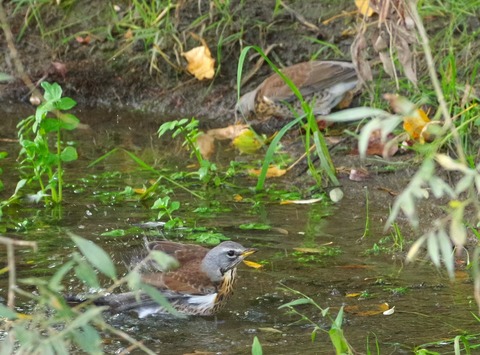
{"x":231,"y":253}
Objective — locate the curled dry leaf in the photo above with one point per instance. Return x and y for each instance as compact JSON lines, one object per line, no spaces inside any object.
{"x":200,"y":62}
{"x":389,"y":312}
{"x":206,"y":141}
{"x":230,"y":132}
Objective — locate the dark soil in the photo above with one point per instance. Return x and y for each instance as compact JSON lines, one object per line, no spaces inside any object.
{"x":97,"y":76}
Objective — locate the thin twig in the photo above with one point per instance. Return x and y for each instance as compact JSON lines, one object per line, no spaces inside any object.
{"x":14,"y":53}
{"x":300,"y":18}
{"x":12,"y":275}
{"x":433,"y":77}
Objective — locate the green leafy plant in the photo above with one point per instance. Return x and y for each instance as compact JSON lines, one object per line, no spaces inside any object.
{"x":166,"y":208}
{"x":43,"y":151}
{"x":335,"y":333}
{"x":189,"y":131}
{"x":54,"y":326}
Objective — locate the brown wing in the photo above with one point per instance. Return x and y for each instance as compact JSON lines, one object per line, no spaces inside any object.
{"x":188,"y":277}
{"x":309,"y":77}
{"x":184,"y":253}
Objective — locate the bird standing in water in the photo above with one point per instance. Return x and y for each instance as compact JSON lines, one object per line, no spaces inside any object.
{"x":201,"y":284}
{"x":324,"y":83}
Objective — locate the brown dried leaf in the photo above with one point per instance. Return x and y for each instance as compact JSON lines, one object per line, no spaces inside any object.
{"x":406,"y":59}
{"x":83,"y":40}
{"x":358,"y":175}
{"x":206,"y":145}
{"x":230,"y":132}
{"x":358,"y":51}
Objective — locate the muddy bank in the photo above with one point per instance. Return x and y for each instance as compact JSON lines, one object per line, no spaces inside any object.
{"x":109,"y":71}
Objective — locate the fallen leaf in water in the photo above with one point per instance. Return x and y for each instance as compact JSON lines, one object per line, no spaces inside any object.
{"x":389,"y":312}
{"x":280,"y":230}
{"x":237,"y":198}
{"x":312,"y":250}
{"x":252,"y":264}
{"x":200,"y":61}
{"x":206,"y":145}
{"x":389,"y":191}
{"x":353,"y":295}
{"x":248,"y":142}
{"x":301,"y":202}
{"x":269,"y":330}
{"x":230,"y":132}
{"x":273,"y":171}
{"x":376,"y":309}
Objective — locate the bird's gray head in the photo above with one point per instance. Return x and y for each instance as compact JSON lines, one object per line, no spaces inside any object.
{"x":246,"y":105}
{"x":224,"y":257}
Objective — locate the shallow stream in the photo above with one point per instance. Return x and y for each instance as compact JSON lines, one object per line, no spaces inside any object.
{"x":428,"y":307}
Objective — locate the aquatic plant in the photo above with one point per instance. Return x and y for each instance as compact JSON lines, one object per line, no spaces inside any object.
{"x":43,"y":151}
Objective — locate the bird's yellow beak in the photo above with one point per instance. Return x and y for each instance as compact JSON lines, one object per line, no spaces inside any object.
{"x":249,"y":252}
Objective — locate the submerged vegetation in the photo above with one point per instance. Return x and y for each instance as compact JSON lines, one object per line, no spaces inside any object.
{"x":435,"y":122}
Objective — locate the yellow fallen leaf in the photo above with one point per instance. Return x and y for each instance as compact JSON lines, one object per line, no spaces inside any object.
{"x":140,"y":190}
{"x":247,"y":142}
{"x":252,"y":264}
{"x":415,"y":123}
{"x":374,"y":310}
{"x":353,"y":295}
{"x":273,"y":171}
{"x":414,"y":119}
{"x":364,"y":8}
{"x":237,"y":198}
{"x":24,"y":316}
{"x":200,"y":62}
